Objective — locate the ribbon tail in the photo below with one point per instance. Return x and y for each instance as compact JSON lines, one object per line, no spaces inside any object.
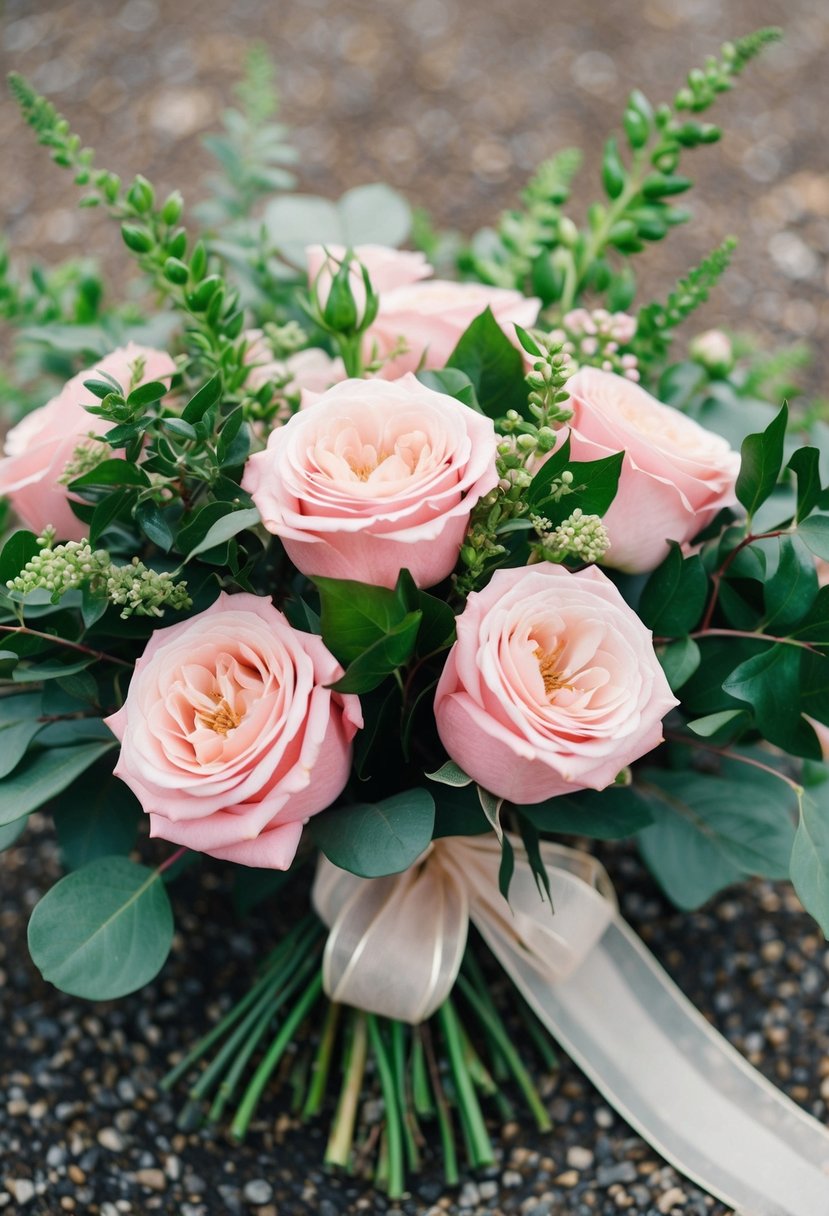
{"x":674,"y":1078}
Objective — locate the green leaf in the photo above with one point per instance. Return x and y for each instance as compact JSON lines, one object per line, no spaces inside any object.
{"x":388,"y":653}
{"x":593,"y":488}
{"x":106,"y":512}
{"x":814,"y":532}
{"x":792,"y":589}
{"x":491,"y":807}
{"x":356,"y":615}
{"x":614,"y":174}
{"x":104,"y":930}
{"x":146,"y":394}
{"x":17,"y":551}
{"x":710,"y":831}
{"x":15,"y":738}
{"x":153,"y":523}
{"x":679,"y":661}
{"x":228,"y":526}
{"x":805,"y":464}
{"x":12,"y":832}
{"x":458,"y":812}
{"x":373,"y":839}
{"x":673,"y":599}
{"x":712,"y":724}
{"x":450,"y":774}
{"x":761,"y":459}
{"x":494,"y":366}
{"x":41,"y":776}
{"x":770,"y":683}
{"x":112,"y":473}
{"x":452,"y":383}
{"x":610,"y":814}
{"x":98,"y":816}
{"x":207,"y":395}
{"x":810,"y":855}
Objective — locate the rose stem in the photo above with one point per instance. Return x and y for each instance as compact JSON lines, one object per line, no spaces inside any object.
{"x":407,"y":1114}
{"x":392,"y":1100}
{"x":482,"y":1078}
{"x":263,"y":1073}
{"x":447,"y":1135}
{"x":516,"y":1064}
{"x":480,"y":1143}
{"x":283,"y":969}
{"x":539,"y":1036}
{"x":500,"y":1068}
{"x":232,"y":1016}
{"x":342,"y":1129}
{"x":272,"y":1001}
{"x":423,"y":1103}
{"x":299,"y":1078}
{"x":322,"y":1062}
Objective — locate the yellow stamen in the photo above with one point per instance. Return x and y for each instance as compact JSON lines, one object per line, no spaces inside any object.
{"x":221,"y":719}
{"x":547,"y":663}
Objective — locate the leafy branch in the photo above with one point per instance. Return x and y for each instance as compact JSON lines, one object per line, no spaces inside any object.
{"x":655,"y":321}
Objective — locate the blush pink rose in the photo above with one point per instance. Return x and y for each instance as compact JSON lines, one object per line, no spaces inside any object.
{"x":676,"y":474}
{"x":311,"y":370}
{"x":40,"y":447}
{"x":431,"y":317}
{"x":374,"y":477}
{"x":552,"y":686}
{"x":387,"y":269}
{"x":230,"y":738}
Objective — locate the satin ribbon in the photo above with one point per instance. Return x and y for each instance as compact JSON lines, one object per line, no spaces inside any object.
{"x":394,"y":948}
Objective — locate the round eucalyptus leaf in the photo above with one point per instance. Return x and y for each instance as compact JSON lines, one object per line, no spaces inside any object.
{"x":102,"y":931}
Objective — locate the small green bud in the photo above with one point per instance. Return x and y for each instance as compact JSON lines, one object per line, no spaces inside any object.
{"x":171,"y":210}
{"x":340,"y":309}
{"x":568,"y":233}
{"x":141,"y":195}
{"x":198,"y":262}
{"x":136,"y":238}
{"x":176,"y":271}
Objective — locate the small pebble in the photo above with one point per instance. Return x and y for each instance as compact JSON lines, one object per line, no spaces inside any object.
{"x":258,"y":1192}
{"x":579,"y":1158}
{"x":111,"y":1139}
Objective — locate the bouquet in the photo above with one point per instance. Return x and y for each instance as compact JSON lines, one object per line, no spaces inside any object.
{"x":381,"y":574}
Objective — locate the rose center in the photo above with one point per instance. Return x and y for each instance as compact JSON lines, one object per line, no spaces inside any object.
{"x":548,"y":662}
{"x":221,"y":719}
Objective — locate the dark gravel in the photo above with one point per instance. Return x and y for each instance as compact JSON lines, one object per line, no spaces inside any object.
{"x":454,"y":103}
{"x":84,"y":1128}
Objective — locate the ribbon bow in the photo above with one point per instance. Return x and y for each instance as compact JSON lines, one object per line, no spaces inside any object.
{"x":396,"y":943}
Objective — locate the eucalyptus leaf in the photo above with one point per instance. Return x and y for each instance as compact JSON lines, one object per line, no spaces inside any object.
{"x":102,"y":931}
{"x":42,"y":775}
{"x":374,"y":839}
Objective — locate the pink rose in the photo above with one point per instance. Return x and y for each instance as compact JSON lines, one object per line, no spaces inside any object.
{"x":387,"y":269}
{"x":40,"y":447}
{"x":552,"y":686}
{"x":230,"y":738}
{"x":676,"y":475}
{"x":431,"y":317}
{"x":311,"y":370}
{"x":372,"y":478}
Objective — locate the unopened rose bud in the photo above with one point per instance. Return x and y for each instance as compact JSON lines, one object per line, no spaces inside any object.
{"x":714,"y":351}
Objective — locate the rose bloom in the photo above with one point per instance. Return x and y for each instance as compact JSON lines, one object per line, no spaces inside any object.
{"x":230,"y":738}
{"x":40,"y":447}
{"x":387,"y":269}
{"x":311,"y":370}
{"x":676,"y":474}
{"x":552,"y":686}
{"x":431,"y":317}
{"x":373,"y":477}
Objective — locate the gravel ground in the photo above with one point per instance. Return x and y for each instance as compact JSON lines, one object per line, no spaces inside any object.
{"x":85,"y":1129}
{"x":453,"y":103}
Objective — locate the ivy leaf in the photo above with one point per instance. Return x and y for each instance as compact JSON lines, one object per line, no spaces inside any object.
{"x":679,"y":661}
{"x":805,"y":464}
{"x":761,"y":459}
{"x":770,"y":683}
{"x":452,"y":382}
{"x":102,"y":931}
{"x":98,"y":816}
{"x":494,"y":366}
{"x":17,"y":551}
{"x":388,"y":653}
{"x":673,"y":599}
{"x":356,"y":615}
{"x":374,"y":839}
{"x":224,"y":529}
{"x":792,"y":589}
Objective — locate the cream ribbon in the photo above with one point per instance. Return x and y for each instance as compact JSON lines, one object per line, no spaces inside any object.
{"x":396,"y":943}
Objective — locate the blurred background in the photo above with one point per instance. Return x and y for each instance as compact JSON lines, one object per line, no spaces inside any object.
{"x":453,"y":102}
